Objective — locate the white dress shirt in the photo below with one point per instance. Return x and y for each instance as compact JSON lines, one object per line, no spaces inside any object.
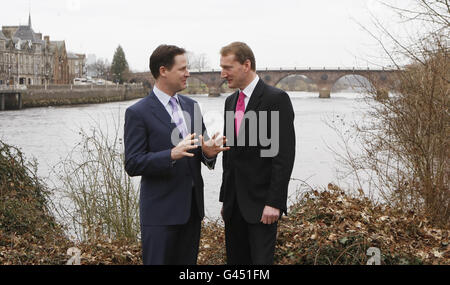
{"x":249,"y":90}
{"x":164,"y":99}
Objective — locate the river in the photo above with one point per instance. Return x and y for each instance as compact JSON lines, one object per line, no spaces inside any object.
{"x":48,"y":134}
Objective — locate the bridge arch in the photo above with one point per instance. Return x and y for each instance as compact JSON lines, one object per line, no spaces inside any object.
{"x":355,"y":82}
{"x":286,"y":75}
{"x":195,"y":85}
{"x":223,"y":87}
{"x":296,"y":82}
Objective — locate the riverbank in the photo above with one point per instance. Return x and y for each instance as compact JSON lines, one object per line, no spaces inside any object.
{"x":323,"y":227}
{"x":330,"y":227}
{"x":58,"y":95}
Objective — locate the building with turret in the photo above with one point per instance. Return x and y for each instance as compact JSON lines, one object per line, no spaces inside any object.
{"x":28,"y":59}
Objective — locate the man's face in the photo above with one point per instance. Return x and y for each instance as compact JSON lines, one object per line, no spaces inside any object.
{"x":177,"y":76}
{"x":234,"y":72}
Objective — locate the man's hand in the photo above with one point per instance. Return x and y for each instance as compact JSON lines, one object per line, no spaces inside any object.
{"x":212,"y":147}
{"x":181,"y":150}
{"x":270,"y":215}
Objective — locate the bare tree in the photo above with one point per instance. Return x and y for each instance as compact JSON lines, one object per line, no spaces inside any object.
{"x":197,"y":61}
{"x":405,"y":142}
{"x":100,"y":68}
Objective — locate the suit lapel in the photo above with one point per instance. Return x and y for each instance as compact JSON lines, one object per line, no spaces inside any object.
{"x":160,"y":111}
{"x":255,"y":98}
{"x":234,"y":99}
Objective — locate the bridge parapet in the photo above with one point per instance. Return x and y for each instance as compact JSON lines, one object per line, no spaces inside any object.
{"x":323,"y":77}
{"x":212,"y":70}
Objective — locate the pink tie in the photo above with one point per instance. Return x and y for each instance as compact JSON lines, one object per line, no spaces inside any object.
{"x":240,"y":109}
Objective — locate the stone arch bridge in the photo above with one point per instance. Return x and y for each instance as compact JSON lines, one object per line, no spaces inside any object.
{"x":381,"y":79}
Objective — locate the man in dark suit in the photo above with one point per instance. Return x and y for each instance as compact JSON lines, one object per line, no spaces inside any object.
{"x":160,"y":146}
{"x":255,"y":175}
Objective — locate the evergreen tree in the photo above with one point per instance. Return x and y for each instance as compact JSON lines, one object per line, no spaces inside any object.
{"x":119,"y":65}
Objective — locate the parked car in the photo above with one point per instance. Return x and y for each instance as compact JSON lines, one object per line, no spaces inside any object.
{"x":100,"y":82}
{"x":80,"y":81}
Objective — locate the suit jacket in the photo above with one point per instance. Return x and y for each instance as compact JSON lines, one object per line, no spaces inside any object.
{"x":252,"y":180}
{"x":166,"y":187}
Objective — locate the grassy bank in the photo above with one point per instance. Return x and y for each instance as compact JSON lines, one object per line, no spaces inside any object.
{"x":29,"y":234}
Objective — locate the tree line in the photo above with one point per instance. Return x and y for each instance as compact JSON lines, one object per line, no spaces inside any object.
{"x":119,"y":71}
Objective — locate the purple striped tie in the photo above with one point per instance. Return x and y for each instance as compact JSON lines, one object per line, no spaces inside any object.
{"x":176,"y":117}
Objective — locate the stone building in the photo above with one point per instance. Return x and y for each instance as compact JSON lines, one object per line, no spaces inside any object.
{"x":77,"y":65}
{"x":27,"y":59}
{"x":60,"y":61}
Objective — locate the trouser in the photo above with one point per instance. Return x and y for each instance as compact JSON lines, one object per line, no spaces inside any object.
{"x":173,"y":244}
{"x":249,"y":243}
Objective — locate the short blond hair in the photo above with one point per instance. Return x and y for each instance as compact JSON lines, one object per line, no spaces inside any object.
{"x":241,"y":51}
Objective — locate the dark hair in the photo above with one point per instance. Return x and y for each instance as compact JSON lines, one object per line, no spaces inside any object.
{"x":164,"y":56}
{"x":241,"y":51}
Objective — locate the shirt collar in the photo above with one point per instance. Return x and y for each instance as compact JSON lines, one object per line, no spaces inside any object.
{"x":251,"y":87}
{"x":163,"y":97}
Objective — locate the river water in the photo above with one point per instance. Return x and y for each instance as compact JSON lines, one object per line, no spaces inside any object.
{"x":48,"y":134}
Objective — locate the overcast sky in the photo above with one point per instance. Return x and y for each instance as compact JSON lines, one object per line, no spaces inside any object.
{"x":282,"y":33}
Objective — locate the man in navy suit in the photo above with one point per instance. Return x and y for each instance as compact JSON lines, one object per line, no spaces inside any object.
{"x":161,"y":147}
